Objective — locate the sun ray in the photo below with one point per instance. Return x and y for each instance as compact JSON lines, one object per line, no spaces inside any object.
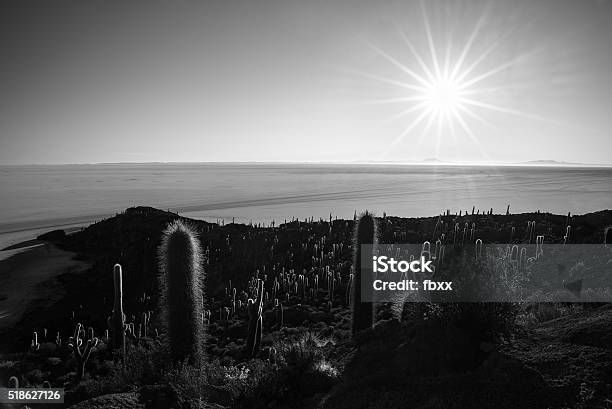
{"x":447,"y":58}
{"x":472,"y":114}
{"x":483,"y":56}
{"x":403,"y":113}
{"x":486,"y":90}
{"x":504,"y":110}
{"x":439,"y":132}
{"x":406,"y":131}
{"x":451,"y":125}
{"x":497,"y":69}
{"x":397,"y":100}
{"x":425,"y":131}
{"x":389,"y":81}
{"x":417,"y":56}
{"x":470,"y":41}
{"x":401,"y":66}
{"x":432,"y":47}
{"x":466,"y":109}
{"x":469,"y":132}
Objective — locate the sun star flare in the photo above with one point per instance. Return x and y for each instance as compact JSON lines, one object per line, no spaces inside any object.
{"x":446,"y":91}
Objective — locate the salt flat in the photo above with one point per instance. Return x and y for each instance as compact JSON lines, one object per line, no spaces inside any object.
{"x":40,"y":198}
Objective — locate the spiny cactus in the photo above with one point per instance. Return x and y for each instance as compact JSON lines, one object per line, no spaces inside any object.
{"x":116,"y":322}
{"x":531,"y":225}
{"x":514,"y":256}
{"x":523,"y":260}
{"x":13,"y":382}
{"x":278,"y":313}
{"x":181,"y":281}
{"x":81,"y":350}
{"x":478,"y":248}
{"x":539,"y":246}
{"x":348,"y":290}
{"x":34,"y":346}
{"x":254,"y":311}
{"x":365,"y":233}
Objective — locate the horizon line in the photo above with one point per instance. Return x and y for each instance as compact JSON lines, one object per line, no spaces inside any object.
{"x":533,"y":163}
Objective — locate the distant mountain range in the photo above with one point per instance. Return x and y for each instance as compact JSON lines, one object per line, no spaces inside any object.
{"x":541,"y":162}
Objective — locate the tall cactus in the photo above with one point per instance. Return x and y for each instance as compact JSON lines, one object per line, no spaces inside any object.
{"x":181,"y":281}
{"x":365,"y":233}
{"x":254,"y":310}
{"x":117,"y":321}
{"x":278,"y":313}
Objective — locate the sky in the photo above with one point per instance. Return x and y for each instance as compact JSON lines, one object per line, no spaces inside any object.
{"x":311,"y":81}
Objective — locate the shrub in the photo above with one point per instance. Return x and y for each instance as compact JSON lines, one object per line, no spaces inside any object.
{"x":300,"y":371}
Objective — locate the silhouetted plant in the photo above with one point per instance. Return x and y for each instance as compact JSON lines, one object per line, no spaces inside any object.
{"x":34,"y":346}
{"x":278,"y":312}
{"x":116,"y":322}
{"x":365,"y":233}
{"x":13,"y":382}
{"x":82,"y":350}
{"x":181,"y":282}
{"x":254,"y":311}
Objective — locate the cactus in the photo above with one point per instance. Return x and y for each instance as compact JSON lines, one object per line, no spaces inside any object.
{"x":531,"y":225}
{"x":116,"y":322}
{"x":13,"y":382}
{"x":82,"y":351}
{"x":478,"y":248}
{"x":181,"y":281}
{"x":254,"y":311}
{"x":433,"y":237}
{"x":523,"y":260}
{"x":426,"y":250}
{"x":348,"y":290}
{"x":278,"y":312}
{"x":514,"y":256}
{"x":365,"y":233}
{"x":539,"y":246}
{"x":145,"y":323}
{"x":34,"y":346}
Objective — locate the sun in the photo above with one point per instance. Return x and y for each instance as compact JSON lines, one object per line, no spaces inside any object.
{"x":445,"y":90}
{"x":443,"y":96}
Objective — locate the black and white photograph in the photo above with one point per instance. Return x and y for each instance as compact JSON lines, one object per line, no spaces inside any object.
{"x":341,"y":204}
